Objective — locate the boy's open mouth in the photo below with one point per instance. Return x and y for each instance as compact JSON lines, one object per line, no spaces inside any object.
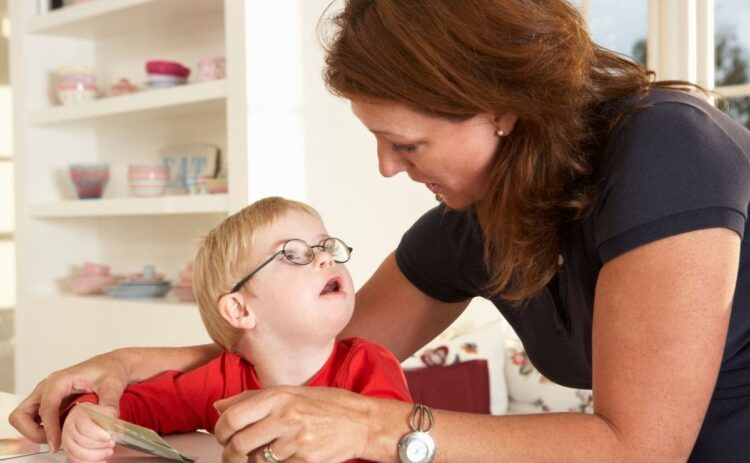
{"x":332,"y":286}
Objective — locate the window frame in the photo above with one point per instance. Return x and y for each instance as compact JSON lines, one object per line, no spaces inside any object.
{"x":681,"y":43}
{"x":726,"y":90}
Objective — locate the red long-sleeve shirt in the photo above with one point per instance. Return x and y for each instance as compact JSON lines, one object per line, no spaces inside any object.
{"x":176,"y":402}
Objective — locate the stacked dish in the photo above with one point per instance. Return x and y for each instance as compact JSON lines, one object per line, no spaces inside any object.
{"x":214,"y":185}
{"x":76,"y":84}
{"x":93,"y":280}
{"x":166,"y":73}
{"x":148,"y":284}
{"x":211,"y":68}
{"x":183,"y":290}
{"x":133,"y":289}
{"x":148,"y":179}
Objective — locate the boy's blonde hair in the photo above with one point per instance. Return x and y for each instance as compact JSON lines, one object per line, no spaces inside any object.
{"x":223,"y":259}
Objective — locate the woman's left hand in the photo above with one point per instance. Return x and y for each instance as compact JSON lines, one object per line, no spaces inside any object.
{"x":301,"y":424}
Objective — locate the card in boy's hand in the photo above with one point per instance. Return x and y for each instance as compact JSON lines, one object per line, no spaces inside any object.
{"x":133,"y":436}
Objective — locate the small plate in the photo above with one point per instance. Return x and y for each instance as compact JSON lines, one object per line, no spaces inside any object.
{"x":138,"y":289}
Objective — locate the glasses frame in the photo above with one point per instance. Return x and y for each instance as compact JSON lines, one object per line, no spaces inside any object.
{"x":273,"y":256}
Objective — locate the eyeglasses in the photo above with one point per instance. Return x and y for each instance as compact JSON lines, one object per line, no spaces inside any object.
{"x":298,"y":252}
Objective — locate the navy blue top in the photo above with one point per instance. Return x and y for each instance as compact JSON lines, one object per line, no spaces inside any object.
{"x":675,"y":166}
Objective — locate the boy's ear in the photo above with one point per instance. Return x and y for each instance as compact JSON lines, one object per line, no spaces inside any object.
{"x":234,"y":309}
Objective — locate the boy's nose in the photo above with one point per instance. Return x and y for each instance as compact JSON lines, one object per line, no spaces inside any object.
{"x":323,"y":258}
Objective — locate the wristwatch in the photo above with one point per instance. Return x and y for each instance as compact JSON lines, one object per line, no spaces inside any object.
{"x":418,"y":446}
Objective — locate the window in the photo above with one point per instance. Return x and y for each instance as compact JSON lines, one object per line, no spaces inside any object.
{"x":7,"y":214}
{"x":619,"y":26}
{"x":732,"y":58}
{"x":7,"y":250}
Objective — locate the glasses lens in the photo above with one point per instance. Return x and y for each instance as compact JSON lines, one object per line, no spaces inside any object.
{"x":337,"y":249}
{"x":298,"y":252}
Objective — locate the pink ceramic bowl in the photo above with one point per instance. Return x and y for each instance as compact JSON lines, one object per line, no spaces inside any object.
{"x":186,"y":277}
{"x":140,"y":172}
{"x":94,"y":269}
{"x":214,"y":185}
{"x":171,"y":68}
{"x":183,"y":293}
{"x":146,"y":188}
{"x":89,"y":179}
{"x":75,"y":80}
{"x":92,"y":284}
{"x":211,"y":68}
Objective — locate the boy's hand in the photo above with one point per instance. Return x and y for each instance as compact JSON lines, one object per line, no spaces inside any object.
{"x":83,"y":440}
{"x":107,"y":375}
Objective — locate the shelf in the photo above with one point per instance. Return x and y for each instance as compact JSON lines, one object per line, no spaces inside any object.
{"x":63,"y":301}
{"x":99,"y":19}
{"x":116,"y":207}
{"x":184,"y":98}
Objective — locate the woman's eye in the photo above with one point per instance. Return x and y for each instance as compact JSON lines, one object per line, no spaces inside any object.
{"x":399,"y":148}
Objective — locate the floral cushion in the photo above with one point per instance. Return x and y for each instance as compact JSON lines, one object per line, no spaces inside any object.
{"x":530,"y":392}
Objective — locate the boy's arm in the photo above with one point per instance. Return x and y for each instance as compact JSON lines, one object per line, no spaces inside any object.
{"x":173,"y":401}
{"x":107,"y":375}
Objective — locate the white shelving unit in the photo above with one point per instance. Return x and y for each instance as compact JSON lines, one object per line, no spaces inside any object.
{"x":186,"y":99}
{"x":97,"y":20}
{"x":260,"y":137}
{"x":120,"y":207}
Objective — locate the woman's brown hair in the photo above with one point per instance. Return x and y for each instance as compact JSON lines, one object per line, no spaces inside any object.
{"x":459,"y":58}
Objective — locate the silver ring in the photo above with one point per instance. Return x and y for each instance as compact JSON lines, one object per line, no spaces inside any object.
{"x":269,"y":456}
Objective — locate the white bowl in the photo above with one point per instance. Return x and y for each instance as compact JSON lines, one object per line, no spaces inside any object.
{"x":148,"y":187}
{"x":164,"y":78}
{"x":75,"y":95}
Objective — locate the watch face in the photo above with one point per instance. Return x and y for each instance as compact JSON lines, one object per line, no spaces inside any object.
{"x":416,"y":447}
{"x":416,"y":450}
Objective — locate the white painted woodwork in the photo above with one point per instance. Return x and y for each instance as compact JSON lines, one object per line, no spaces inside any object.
{"x":160,"y":205}
{"x":279,"y":129}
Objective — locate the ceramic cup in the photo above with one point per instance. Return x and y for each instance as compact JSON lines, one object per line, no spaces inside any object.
{"x":75,"y":84}
{"x":94,"y":269}
{"x":89,"y":179}
{"x":211,"y":68}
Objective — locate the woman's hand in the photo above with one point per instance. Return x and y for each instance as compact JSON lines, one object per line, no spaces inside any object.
{"x":301,"y":424}
{"x":84,"y":441}
{"x":38,"y":416}
{"x":107,"y":375}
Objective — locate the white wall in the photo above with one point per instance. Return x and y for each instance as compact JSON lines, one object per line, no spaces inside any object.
{"x":366,"y":210}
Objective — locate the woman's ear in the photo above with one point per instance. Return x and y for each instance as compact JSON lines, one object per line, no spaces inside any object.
{"x":505,"y":122}
{"x":234,"y":309}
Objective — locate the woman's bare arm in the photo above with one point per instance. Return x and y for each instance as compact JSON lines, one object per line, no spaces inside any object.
{"x":388,"y":302}
{"x":658,"y":308}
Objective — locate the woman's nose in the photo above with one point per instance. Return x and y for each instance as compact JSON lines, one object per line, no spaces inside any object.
{"x":390,"y":164}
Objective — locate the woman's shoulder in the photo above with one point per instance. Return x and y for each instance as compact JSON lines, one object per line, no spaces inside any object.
{"x":672,"y":127}
{"x":665,"y":113}
{"x":673,"y":165}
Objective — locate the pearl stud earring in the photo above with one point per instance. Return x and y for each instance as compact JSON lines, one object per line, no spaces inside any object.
{"x":500,"y":133}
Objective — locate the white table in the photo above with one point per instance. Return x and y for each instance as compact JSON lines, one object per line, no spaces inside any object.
{"x":196,"y":444}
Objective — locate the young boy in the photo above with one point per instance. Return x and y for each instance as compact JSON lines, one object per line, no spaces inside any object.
{"x":273,"y":291}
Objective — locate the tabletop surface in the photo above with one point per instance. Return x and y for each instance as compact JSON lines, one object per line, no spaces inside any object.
{"x":197,"y":444}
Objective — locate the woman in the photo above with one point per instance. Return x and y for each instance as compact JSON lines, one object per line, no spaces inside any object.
{"x":602,"y":213}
